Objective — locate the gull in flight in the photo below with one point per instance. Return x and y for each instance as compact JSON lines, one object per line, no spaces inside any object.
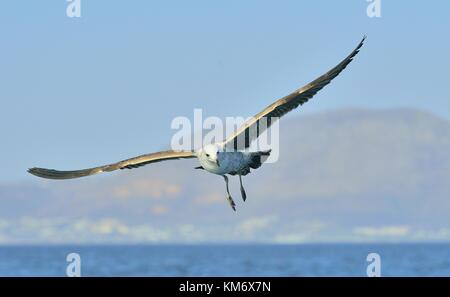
{"x":218,"y":158}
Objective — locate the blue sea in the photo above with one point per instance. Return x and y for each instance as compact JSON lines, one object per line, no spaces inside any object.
{"x":227,"y":260}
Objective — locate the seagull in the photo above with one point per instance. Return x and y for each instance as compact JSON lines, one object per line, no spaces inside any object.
{"x":226,"y":157}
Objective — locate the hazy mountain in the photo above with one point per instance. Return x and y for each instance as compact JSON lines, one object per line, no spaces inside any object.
{"x":347,"y":175}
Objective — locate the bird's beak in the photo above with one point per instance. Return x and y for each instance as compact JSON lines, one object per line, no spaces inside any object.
{"x":217,"y":162}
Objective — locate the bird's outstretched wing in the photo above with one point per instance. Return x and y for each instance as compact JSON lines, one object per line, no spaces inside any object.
{"x":251,"y":129}
{"x":125,"y":164}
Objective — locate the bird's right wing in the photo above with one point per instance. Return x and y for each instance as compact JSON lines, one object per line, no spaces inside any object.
{"x":125,"y":164}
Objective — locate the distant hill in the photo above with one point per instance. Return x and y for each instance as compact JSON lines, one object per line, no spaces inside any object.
{"x":346,"y":175}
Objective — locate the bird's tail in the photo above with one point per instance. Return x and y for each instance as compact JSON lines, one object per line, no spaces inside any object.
{"x":257,"y":158}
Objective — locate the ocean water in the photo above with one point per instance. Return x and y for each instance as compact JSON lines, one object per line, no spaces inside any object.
{"x":227,"y":260}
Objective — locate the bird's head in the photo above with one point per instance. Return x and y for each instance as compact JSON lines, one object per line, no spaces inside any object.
{"x":210,"y":153}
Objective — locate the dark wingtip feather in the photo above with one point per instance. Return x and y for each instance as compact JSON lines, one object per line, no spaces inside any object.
{"x":32,"y":170}
{"x":40,"y":172}
{"x":56,"y":174}
{"x":361,"y":43}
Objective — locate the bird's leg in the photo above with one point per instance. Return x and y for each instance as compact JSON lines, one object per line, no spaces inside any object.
{"x":230,"y":200}
{"x":244,"y":196}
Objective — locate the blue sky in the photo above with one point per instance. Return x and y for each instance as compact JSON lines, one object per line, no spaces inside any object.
{"x":88,"y":91}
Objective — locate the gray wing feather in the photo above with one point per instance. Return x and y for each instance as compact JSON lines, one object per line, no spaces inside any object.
{"x":125,"y":164}
{"x":284,"y":105}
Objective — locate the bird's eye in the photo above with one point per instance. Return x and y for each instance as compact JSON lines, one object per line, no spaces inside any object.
{"x":207,"y":155}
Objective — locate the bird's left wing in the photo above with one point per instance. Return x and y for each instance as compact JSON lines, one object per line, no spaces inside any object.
{"x":125,"y":164}
{"x":251,"y":129}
